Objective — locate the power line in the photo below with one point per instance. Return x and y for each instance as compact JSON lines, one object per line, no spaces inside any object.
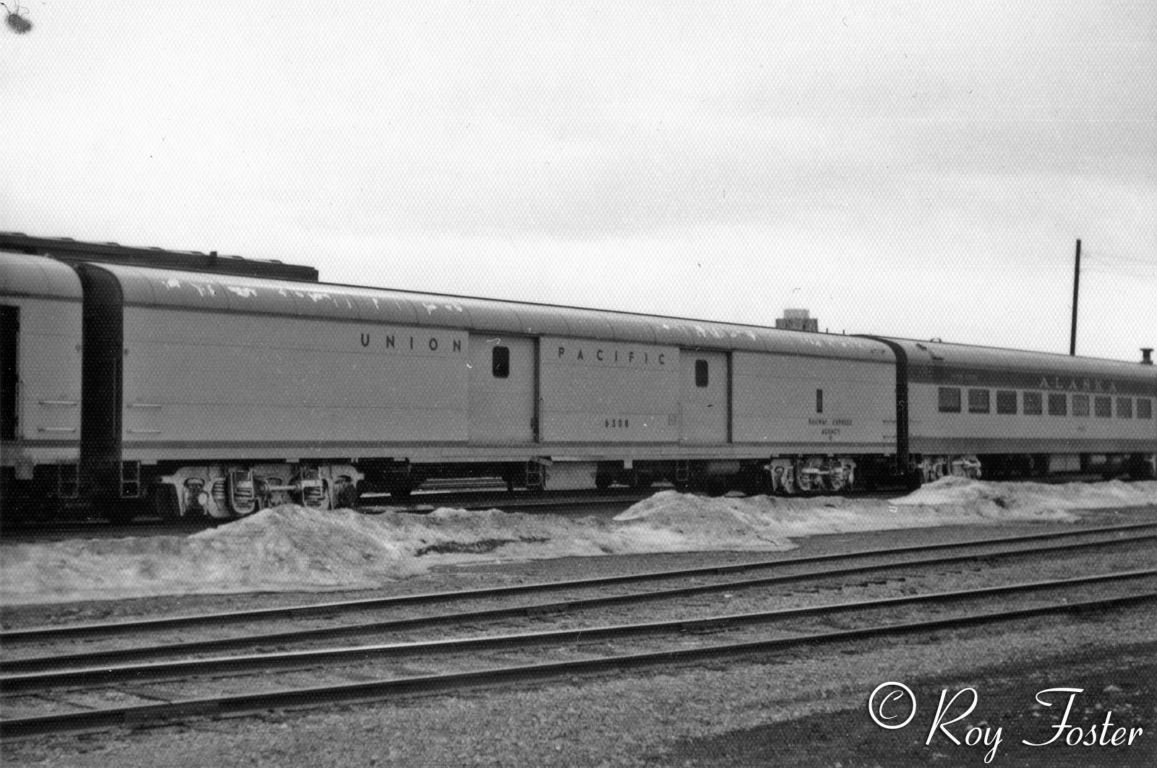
{"x":1117,"y":272}
{"x":1110,"y":258}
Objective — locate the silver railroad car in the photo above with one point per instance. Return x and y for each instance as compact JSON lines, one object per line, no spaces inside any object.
{"x":1012,"y":412}
{"x":40,"y":381}
{"x":225,"y":394}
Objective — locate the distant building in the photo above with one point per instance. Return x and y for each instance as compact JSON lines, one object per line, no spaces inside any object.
{"x":798,"y":320}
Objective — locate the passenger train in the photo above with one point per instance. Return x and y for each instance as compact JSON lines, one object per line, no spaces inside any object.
{"x":188,"y":384}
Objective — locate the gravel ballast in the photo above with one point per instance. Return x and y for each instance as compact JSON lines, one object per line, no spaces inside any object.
{"x":797,"y":708}
{"x":719,"y":714}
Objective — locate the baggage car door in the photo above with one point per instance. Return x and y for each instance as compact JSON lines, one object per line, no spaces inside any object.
{"x":502,"y":389}
{"x":703,"y":396}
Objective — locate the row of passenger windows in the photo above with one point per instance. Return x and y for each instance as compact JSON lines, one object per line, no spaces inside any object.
{"x":1033,"y":403}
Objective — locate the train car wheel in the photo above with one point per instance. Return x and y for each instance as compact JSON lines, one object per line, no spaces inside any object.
{"x":786,"y":485}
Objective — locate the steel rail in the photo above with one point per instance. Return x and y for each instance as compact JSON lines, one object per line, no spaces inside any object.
{"x":76,"y":678}
{"x":312,"y":697}
{"x":43,"y":633}
{"x":188,"y":648}
{"x":371,"y":504}
{"x":525,"y":501}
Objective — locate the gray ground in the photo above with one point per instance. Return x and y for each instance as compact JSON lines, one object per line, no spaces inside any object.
{"x":800,"y":708}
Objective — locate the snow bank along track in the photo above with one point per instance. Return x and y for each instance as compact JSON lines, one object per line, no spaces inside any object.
{"x":554,"y":502}
{"x":78,"y":673}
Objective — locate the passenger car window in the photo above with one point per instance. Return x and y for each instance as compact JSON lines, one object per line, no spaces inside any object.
{"x":1032,"y":404}
{"x":978,"y":401}
{"x":1058,"y":404}
{"x":1080,"y":405}
{"x":1006,"y":401}
{"x":949,"y":400}
{"x":1103,"y":407}
{"x":1124,"y":407}
{"x":1144,"y":408}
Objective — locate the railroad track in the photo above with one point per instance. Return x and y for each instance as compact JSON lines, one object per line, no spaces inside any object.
{"x":135,"y":673}
{"x":78,"y":672}
{"x":519,"y":501}
{"x":313,"y":696}
{"x":371,"y":504}
{"x":1052,"y":541}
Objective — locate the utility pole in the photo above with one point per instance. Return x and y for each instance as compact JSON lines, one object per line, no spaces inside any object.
{"x":1076,"y":293}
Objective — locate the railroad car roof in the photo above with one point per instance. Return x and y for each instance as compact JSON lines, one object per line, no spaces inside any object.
{"x":926,"y":354}
{"x":23,"y":275}
{"x":226,"y":293}
{"x":76,"y":251}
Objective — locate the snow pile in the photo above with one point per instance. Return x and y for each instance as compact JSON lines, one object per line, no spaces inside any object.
{"x":292,"y":548}
{"x":748,"y":523}
{"x":1026,"y":499}
{"x":280,"y":549}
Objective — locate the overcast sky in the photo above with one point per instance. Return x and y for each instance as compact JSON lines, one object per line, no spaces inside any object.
{"x":907,"y":168}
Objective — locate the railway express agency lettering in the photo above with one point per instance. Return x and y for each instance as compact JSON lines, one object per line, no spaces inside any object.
{"x":411,"y":341}
{"x":829,"y":428}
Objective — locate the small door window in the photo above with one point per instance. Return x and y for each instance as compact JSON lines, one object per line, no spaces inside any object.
{"x":701,"y":373}
{"x":500,"y":362}
{"x":819,"y":401}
